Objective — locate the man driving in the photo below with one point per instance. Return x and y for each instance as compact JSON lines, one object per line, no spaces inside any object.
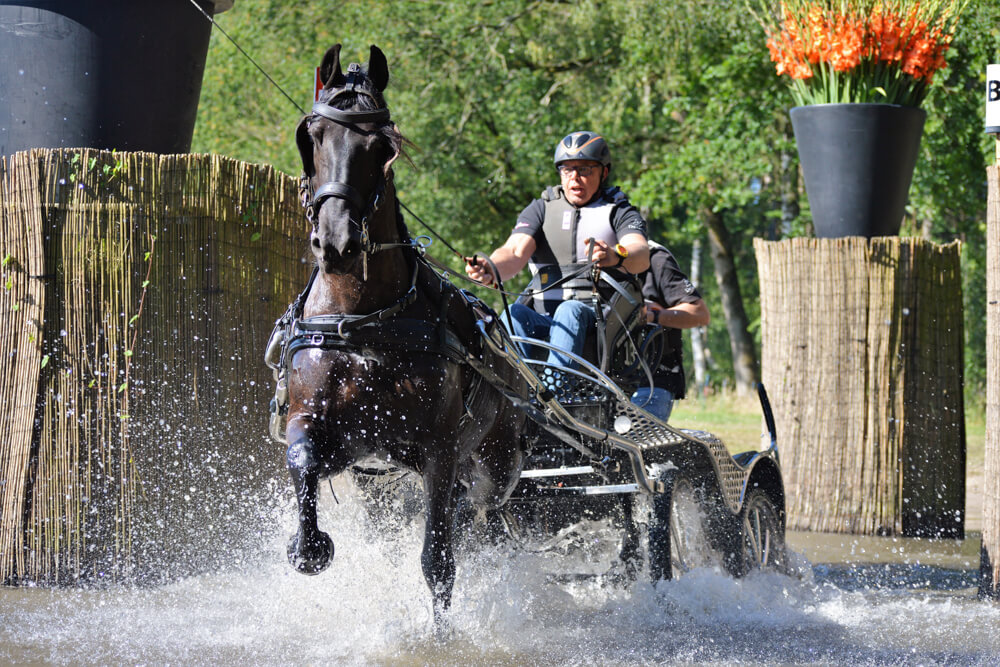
{"x":582,"y":219}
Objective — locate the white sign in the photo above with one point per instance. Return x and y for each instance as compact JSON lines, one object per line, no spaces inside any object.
{"x":993,"y":98}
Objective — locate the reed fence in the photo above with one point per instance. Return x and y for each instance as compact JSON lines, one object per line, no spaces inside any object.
{"x":990,"y":561}
{"x":862,"y":344}
{"x":138,"y":294}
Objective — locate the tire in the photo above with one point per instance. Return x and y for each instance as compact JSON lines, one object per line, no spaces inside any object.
{"x":678,"y":539}
{"x":762,"y":534}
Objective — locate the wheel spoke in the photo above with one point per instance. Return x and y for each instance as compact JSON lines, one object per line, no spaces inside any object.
{"x":750,"y":538}
{"x":676,"y":552}
{"x":685,"y":522}
{"x":757,"y":534}
{"x":761,"y":533}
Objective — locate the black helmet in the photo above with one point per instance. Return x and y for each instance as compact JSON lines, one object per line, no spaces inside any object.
{"x":583,"y":146}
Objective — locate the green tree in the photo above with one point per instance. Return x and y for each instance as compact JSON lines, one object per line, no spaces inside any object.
{"x":948,"y":196}
{"x":683,"y":91}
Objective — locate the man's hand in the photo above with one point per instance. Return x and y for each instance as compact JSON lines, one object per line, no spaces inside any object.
{"x":508,"y":259}
{"x":604,"y":255}
{"x":479,"y":270}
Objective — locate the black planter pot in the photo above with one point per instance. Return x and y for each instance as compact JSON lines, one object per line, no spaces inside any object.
{"x":122,"y":74}
{"x":857,"y":162}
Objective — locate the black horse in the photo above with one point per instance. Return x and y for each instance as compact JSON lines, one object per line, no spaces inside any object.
{"x":385,"y":359}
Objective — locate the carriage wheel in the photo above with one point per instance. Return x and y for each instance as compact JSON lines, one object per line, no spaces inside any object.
{"x":391,"y":498}
{"x":762,"y":535}
{"x":678,"y":541}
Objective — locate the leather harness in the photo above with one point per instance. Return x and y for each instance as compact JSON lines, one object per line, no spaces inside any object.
{"x":383,"y":329}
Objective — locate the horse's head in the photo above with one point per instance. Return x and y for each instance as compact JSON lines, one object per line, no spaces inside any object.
{"x":347,"y":146}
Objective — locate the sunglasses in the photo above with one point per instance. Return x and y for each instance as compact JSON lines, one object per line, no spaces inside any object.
{"x":581,"y":170}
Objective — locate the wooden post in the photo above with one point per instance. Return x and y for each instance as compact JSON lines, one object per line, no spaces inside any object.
{"x":139,"y":293}
{"x":989,"y":567}
{"x":862,"y":357}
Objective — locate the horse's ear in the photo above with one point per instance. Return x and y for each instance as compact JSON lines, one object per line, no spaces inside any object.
{"x":305,"y":143}
{"x":329,"y":69}
{"x":378,"y":68}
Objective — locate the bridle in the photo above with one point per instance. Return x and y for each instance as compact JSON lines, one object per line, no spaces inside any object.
{"x":312,"y":199}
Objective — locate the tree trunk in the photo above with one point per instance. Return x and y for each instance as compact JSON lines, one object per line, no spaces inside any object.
{"x":697,"y":333}
{"x":740,"y":342}
{"x":789,"y":193}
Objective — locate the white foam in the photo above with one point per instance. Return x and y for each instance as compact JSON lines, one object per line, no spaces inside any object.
{"x":372,"y":606}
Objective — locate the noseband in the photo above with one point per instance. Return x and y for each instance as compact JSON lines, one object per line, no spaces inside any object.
{"x":312,"y":200}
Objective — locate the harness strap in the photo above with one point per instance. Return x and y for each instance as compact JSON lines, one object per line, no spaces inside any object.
{"x":348,"y":323}
{"x":379,"y":116}
{"x":340,"y":191}
{"x":412,"y":335}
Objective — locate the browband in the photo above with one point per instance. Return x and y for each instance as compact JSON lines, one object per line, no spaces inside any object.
{"x":341,"y":116}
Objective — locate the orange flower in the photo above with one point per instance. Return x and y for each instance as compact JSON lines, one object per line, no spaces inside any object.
{"x":861,"y":50}
{"x":846,"y":45}
{"x":884,"y":30}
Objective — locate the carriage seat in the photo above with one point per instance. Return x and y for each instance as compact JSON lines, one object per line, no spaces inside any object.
{"x":621,"y":339}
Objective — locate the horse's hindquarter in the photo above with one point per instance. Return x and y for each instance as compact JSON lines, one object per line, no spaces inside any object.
{"x":393,"y":404}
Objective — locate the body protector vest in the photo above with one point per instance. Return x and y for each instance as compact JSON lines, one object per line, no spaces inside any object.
{"x":567,"y":228}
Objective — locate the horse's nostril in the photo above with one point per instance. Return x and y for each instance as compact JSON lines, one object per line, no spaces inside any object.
{"x":315,"y":241}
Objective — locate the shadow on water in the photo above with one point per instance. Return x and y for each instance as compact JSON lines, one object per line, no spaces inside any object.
{"x":848,"y":601}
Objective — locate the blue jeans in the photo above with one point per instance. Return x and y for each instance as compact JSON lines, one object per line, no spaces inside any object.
{"x":661,"y":401}
{"x":567,"y":329}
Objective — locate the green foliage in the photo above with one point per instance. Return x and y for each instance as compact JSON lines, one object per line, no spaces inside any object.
{"x":948,"y":197}
{"x":684,"y":92}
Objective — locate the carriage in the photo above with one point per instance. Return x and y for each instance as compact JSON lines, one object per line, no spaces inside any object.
{"x":383,"y":366}
{"x":677,"y":497}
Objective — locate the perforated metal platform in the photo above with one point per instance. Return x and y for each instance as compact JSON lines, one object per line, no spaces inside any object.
{"x":634,"y":426}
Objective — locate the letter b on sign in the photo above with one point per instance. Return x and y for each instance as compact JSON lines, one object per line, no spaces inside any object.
{"x":993,"y":99}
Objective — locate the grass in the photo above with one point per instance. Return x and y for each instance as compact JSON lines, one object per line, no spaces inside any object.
{"x":738,"y":421}
{"x":975,"y":439}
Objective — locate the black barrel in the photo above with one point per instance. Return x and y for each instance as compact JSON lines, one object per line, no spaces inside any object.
{"x":122,"y":74}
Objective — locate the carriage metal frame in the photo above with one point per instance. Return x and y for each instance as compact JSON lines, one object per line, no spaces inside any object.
{"x":592,"y":451}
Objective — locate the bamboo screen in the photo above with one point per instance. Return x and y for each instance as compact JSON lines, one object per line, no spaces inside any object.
{"x":139,"y":293}
{"x":862,"y":357}
{"x":990,"y":566}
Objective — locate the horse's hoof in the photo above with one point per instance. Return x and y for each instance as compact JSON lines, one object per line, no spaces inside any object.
{"x":312,"y":557}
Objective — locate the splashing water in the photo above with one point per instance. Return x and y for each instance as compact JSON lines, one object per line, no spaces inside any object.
{"x":372,"y":606}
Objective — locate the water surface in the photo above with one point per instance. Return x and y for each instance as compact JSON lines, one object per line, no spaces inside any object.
{"x":849,"y":600}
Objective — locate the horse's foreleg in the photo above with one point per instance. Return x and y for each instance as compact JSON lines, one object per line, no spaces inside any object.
{"x":310,"y":549}
{"x":438,"y":557}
